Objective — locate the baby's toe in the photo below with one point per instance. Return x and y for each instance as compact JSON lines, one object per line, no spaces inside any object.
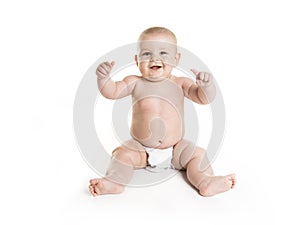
{"x":91,"y":189}
{"x":232,"y":178}
{"x":97,"y":191}
{"x":94,"y":181}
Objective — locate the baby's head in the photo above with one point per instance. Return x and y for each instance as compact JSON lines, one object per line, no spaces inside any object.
{"x":157,"y":53}
{"x":161,"y":33}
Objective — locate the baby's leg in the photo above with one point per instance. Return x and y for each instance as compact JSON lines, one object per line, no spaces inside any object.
{"x":124,"y":160}
{"x":199,"y":172}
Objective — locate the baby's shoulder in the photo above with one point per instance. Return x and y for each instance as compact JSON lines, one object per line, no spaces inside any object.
{"x":131,"y":78}
{"x":182,"y":80}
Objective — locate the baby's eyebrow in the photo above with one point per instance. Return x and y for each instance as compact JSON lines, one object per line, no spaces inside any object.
{"x":145,"y":49}
{"x":163,"y":49}
{"x":170,"y":49}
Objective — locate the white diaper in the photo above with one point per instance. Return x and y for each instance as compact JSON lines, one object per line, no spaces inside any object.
{"x":159,"y":159}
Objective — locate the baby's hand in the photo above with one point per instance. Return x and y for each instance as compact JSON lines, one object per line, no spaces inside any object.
{"x":203,"y":79}
{"x":104,"y":69}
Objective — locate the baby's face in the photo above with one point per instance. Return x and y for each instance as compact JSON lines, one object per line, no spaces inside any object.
{"x":157,"y":56}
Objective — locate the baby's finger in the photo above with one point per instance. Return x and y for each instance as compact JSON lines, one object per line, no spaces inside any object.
{"x":210,"y":78}
{"x":102,"y":65}
{"x":107,"y":67}
{"x":201,"y":76}
{"x":102,"y":70}
{"x":195,"y":72}
{"x":206,"y":77}
{"x":200,"y":83}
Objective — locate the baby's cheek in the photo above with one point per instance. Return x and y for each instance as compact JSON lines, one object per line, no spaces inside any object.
{"x":144,"y":58}
{"x":142,"y":66}
{"x":170,"y":61}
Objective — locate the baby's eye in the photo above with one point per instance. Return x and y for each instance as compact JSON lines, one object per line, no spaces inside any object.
{"x":146,"y":54}
{"x":163,"y":53}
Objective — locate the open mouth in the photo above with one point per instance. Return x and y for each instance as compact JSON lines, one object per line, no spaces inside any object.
{"x":155,"y":67}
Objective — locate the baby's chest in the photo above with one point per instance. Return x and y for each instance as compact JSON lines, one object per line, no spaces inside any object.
{"x":157,"y":93}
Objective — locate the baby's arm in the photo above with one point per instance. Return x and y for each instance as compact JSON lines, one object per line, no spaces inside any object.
{"x":111,"y":89}
{"x":203,"y":92}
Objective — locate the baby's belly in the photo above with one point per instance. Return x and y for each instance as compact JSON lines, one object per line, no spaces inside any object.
{"x":156,"y":124}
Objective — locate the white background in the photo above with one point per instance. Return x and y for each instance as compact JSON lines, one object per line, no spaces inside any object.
{"x":252,"y":48}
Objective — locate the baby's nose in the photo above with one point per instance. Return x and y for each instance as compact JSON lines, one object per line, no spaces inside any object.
{"x":155,"y":58}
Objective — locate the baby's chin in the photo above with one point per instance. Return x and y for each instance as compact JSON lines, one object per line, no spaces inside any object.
{"x":155,"y":78}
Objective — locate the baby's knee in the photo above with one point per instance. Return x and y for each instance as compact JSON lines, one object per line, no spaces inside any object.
{"x":183,"y":152}
{"x":123,"y":155}
{"x":199,"y":152}
{"x":131,"y":153}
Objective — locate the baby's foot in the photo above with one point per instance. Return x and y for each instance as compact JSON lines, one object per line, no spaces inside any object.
{"x":104,"y":186}
{"x":215,"y":185}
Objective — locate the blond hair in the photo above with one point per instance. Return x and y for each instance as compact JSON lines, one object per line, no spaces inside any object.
{"x":157,"y":30}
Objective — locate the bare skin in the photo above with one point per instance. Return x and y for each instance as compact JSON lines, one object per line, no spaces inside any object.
{"x":103,"y":186}
{"x":155,"y":61}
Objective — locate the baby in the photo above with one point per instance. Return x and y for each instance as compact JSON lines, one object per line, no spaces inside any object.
{"x":157,"y":127}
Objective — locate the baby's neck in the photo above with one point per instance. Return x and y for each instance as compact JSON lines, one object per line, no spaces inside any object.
{"x":158,"y":79}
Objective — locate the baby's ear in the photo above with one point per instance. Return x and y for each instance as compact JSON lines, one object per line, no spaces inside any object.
{"x":177,"y":58}
{"x":136,"y":60}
